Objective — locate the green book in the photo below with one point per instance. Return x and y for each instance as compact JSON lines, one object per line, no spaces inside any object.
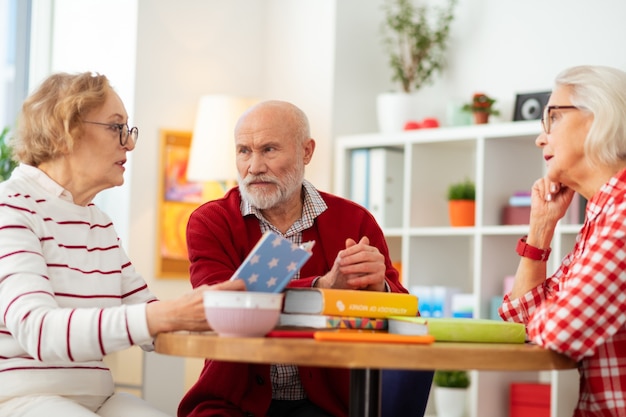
{"x":458,"y":329}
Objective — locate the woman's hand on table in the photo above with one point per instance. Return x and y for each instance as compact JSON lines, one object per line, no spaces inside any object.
{"x":185,"y":312}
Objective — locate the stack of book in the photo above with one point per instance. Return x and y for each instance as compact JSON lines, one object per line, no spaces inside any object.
{"x":393,"y":316}
{"x":317,"y":308}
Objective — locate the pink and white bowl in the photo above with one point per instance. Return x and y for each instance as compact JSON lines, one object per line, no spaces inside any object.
{"x":242,"y":313}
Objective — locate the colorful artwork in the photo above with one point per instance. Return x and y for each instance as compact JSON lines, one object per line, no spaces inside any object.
{"x":177,"y":188}
{"x":178,"y":198}
{"x":173,"y":239}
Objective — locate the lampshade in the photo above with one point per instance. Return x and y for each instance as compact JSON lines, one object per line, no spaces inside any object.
{"x":212,"y":153}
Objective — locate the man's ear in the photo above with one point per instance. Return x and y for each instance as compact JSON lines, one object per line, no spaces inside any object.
{"x":309,"y":148}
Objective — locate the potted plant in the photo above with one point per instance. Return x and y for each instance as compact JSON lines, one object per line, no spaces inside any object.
{"x":7,"y":164}
{"x":462,"y":203}
{"x":415,"y":38}
{"x":451,"y":392}
{"x":482,"y":107}
{"x":415,"y":41}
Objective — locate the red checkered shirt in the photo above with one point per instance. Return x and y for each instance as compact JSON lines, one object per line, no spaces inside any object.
{"x":581,"y":309}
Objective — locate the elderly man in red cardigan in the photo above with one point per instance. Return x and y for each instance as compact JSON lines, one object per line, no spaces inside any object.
{"x":273,"y":145}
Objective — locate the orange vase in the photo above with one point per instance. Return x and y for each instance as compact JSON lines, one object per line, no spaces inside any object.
{"x":481,"y":117}
{"x":461,"y":212}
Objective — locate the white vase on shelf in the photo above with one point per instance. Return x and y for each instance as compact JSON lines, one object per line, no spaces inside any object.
{"x":394,"y":110}
{"x":450,"y":402}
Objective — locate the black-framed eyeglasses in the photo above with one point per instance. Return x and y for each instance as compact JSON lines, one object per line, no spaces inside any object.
{"x":124,"y":131}
{"x":545,"y":119}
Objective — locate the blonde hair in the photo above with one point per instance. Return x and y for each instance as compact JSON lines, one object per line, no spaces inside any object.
{"x":50,"y":120}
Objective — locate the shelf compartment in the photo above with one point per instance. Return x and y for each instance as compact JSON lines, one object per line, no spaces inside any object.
{"x":434,"y":167}
{"x":441,"y":260}
{"x":513,"y":164}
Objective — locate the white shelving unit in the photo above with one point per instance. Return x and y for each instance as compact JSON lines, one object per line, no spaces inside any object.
{"x":501,"y":159}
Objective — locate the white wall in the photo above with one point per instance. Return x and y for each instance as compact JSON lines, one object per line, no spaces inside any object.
{"x":185,"y":50}
{"x":501,"y":47}
{"x":506,"y":46}
{"x":361,"y":70}
{"x":300,"y":68}
{"x":97,"y":36}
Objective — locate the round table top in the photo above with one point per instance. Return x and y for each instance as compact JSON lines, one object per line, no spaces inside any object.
{"x":307,"y":351}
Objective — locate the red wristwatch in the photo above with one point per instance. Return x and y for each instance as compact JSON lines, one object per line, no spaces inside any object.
{"x":531,"y":252}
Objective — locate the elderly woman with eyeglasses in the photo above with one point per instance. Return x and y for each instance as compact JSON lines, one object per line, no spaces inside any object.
{"x":580,"y":310}
{"x":69,"y":295}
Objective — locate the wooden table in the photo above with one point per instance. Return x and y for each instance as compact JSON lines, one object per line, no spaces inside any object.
{"x":365,"y":360}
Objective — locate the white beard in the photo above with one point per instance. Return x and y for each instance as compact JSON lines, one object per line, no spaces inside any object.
{"x":291,"y":184}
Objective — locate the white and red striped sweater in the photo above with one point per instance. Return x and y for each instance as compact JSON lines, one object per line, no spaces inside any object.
{"x":69,"y":295}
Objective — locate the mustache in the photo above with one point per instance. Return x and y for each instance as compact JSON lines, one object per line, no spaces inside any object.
{"x":259,"y":178}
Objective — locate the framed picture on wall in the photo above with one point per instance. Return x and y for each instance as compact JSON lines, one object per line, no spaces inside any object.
{"x":177,"y":199}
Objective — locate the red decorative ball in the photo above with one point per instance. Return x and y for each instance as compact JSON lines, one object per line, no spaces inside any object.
{"x":412,"y":125}
{"x":430,"y":122}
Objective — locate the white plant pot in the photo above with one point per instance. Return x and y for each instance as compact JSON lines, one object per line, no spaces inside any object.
{"x":394,"y":110}
{"x":450,"y":402}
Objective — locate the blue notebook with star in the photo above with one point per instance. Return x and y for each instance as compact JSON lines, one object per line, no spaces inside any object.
{"x":272,"y":263}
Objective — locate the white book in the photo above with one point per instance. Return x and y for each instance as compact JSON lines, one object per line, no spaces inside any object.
{"x":386,"y":169}
{"x":359,"y":176}
{"x":442,"y":300}
{"x":519,"y":200}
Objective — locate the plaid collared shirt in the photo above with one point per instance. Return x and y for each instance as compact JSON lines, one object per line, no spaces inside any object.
{"x":285,"y":378}
{"x":581,"y":309}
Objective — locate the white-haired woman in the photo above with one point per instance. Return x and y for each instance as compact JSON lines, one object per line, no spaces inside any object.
{"x":580,"y":310}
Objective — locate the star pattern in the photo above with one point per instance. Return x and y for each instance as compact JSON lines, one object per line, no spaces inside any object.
{"x":272,"y":263}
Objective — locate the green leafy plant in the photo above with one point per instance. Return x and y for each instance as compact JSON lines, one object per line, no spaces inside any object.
{"x":465,"y":190}
{"x":451,"y":379}
{"x":416,"y":38}
{"x":7,"y":164}
{"x":481,"y":103}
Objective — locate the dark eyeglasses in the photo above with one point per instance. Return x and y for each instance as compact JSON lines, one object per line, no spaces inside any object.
{"x":124,"y":131}
{"x":545,"y":119}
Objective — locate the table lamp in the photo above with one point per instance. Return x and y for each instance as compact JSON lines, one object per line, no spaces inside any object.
{"x":212,"y":152}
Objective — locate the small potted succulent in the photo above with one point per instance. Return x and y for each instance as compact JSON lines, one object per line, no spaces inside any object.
{"x":482,"y":107}
{"x":451,"y":392}
{"x":462,"y":203}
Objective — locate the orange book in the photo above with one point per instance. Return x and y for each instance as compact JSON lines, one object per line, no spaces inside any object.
{"x":370,"y":336}
{"x":352,"y":303}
